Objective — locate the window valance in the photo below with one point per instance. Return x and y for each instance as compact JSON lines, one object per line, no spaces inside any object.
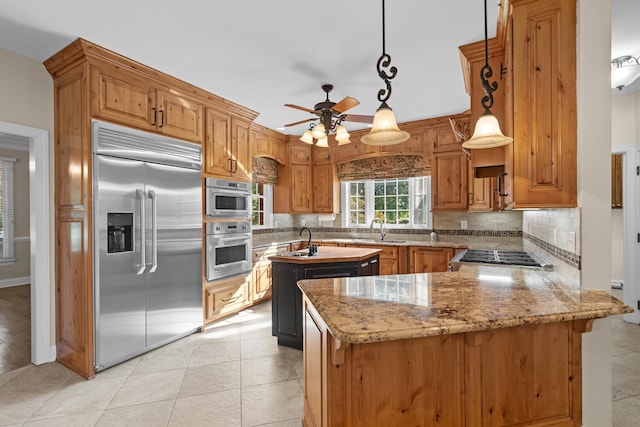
{"x":265,"y":170}
{"x":384,"y":167}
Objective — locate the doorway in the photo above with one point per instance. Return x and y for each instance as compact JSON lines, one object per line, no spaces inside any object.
{"x":42,"y":349}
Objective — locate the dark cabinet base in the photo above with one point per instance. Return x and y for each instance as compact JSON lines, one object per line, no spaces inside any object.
{"x":286,"y":302}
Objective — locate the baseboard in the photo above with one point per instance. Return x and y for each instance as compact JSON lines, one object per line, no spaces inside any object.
{"x":15,"y":281}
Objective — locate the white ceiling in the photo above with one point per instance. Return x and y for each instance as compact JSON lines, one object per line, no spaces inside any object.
{"x":263,"y":54}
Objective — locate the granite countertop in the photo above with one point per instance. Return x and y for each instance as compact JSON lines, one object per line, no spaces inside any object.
{"x":326,"y":254}
{"x":384,"y":308}
{"x":437,"y":244}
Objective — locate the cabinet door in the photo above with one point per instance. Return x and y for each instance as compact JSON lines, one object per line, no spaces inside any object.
{"x":321,"y":155}
{"x":261,"y":280}
{"x":616,"y":181}
{"x":449,"y":181}
{"x":544,"y":93}
{"x":444,"y":139}
{"x":279,"y":151}
{"x":429,"y":260}
{"x":260,"y":144}
{"x":123,"y":97}
{"x":179,"y":116}
{"x":226,"y":297}
{"x":301,"y":188}
{"x":300,"y":154}
{"x":240,"y":156}
{"x":325,"y":186}
{"x":217,"y":145}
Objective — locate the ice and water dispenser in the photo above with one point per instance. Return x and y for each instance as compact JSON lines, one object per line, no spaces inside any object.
{"x":119,"y":232}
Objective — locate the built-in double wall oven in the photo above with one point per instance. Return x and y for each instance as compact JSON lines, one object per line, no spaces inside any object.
{"x":228,"y":228}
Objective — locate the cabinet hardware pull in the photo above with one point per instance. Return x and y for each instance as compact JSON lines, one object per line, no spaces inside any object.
{"x":154,"y":111}
{"x":232,"y":299}
{"x":363,"y":265}
{"x":373,"y":261}
{"x":235,"y":166}
{"x":501,"y":184}
{"x":161,"y":118}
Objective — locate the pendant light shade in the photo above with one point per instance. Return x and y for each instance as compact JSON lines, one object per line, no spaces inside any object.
{"x":323,"y":142}
{"x":307,"y":137}
{"x":625,"y":70}
{"x":385,"y":130}
{"x":319,"y":131}
{"x":487,"y":134}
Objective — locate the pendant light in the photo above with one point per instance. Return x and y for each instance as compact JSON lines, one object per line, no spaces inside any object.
{"x":307,"y":137}
{"x":487,"y":133}
{"x":385,"y":130}
{"x":342,"y":136}
{"x":625,"y":70}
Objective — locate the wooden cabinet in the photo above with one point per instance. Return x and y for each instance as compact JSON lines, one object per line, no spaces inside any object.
{"x":517,"y":376}
{"x":429,"y":259}
{"x":449,"y":180}
{"x":542,"y":162}
{"x":616,"y":181}
{"x":265,"y":142}
{"x":262,"y":271}
{"x":92,"y":82}
{"x":127,"y":97}
{"x":393,"y":259}
{"x":226,"y":297}
{"x":326,"y":189}
{"x":301,"y":192}
{"x":227,"y":146}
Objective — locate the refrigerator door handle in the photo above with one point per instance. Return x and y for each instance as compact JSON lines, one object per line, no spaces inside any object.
{"x":154,"y":231}
{"x":143,"y":239}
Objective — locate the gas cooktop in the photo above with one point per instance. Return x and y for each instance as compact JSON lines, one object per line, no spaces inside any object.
{"x":500,"y":257}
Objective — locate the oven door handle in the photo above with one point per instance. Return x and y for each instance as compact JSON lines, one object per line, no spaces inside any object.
{"x":244,"y":239}
{"x":154,"y":231}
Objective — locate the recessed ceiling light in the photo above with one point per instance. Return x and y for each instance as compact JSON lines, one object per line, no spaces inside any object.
{"x":280,"y":128}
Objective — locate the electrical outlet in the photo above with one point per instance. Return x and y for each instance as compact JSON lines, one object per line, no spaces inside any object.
{"x":463,"y":224}
{"x":571,"y":241}
{"x":302,"y":223}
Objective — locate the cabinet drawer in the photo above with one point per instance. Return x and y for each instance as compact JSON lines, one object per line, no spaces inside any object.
{"x":262,"y":254}
{"x":388,"y":252}
{"x":227,"y":297}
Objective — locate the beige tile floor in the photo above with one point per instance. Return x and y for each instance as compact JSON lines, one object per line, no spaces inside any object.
{"x":233,"y":374}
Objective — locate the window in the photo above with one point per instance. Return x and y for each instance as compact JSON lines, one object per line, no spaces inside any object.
{"x":261,"y":205}
{"x":6,"y":210}
{"x":399,"y":202}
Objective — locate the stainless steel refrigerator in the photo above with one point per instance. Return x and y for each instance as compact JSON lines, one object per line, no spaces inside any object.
{"x":147,"y":196}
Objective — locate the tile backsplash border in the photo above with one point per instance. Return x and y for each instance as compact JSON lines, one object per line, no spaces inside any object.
{"x":572,"y":259}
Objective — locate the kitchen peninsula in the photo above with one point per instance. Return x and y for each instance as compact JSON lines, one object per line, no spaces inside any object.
{"x":481,"y":346}
{"x":290,"y":267}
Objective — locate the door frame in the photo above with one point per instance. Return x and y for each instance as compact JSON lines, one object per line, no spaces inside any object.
{"x":42,"y":349}
{"x":630,"y":225}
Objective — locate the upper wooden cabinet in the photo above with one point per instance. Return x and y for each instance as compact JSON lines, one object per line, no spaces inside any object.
{"x":300,"y":154}
{"x":126,"y":97}
{"x":326,"y":189}
{"x":541,"y":164}
{"x":226,"y":151}
{"x":265,"y":142}
{"x":449,"y":181}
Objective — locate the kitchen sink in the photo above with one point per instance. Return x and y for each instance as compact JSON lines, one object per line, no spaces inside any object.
{"x":301,"y":253}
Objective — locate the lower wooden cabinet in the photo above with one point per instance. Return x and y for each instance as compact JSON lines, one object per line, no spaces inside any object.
{"x":429,"y":259}
{"x":524,"y":375}
{"x":393,"y":259}
{"x":226,"y":297}
{"x":261,"y":283}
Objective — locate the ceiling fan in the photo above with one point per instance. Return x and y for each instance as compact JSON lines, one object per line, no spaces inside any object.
{"x":331,"y":114}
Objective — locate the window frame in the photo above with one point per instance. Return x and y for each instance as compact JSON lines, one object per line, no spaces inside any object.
{"x":267,"y":198}
{"x":369,"y":203}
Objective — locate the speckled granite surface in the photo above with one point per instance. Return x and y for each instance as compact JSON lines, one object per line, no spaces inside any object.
{"x":326,"y":254}
{"x":383,"y":308}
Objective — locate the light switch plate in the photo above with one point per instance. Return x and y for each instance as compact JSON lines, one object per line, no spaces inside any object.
{"x":571,"y":241}
{"x":463,"y":224}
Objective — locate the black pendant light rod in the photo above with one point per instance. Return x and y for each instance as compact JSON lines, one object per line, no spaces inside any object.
{"x":383,"y":63}
{"x":486,"y":72}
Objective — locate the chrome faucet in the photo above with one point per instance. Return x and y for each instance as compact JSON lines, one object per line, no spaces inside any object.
{"x":383,"y":232}
{"x":309,"y":242}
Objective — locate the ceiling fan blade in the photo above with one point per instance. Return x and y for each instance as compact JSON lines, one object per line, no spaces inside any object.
{"x":297,"y":107}
{"x":346,"y":104}
{"x":358,"y":118}
{"x":301,"y":121}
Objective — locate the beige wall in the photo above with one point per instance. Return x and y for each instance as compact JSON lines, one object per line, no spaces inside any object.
{"x":20,"y":268}
{"x":27,"y":99}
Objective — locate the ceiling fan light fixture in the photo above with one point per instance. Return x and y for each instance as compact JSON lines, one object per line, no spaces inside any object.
{"x":487,"y":134}
{"x":342,"y":136}
{"x":323,"y":142}
{"x":319,"y":131}
{"x":307,"y":137}
{"x":385,"y":130}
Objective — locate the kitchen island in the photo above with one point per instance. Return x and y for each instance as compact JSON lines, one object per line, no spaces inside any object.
{"x":288,"y":268}
{"x":483,"y":346}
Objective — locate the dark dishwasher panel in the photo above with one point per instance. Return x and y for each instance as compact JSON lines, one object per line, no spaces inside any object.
{"x":323,"y":272}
